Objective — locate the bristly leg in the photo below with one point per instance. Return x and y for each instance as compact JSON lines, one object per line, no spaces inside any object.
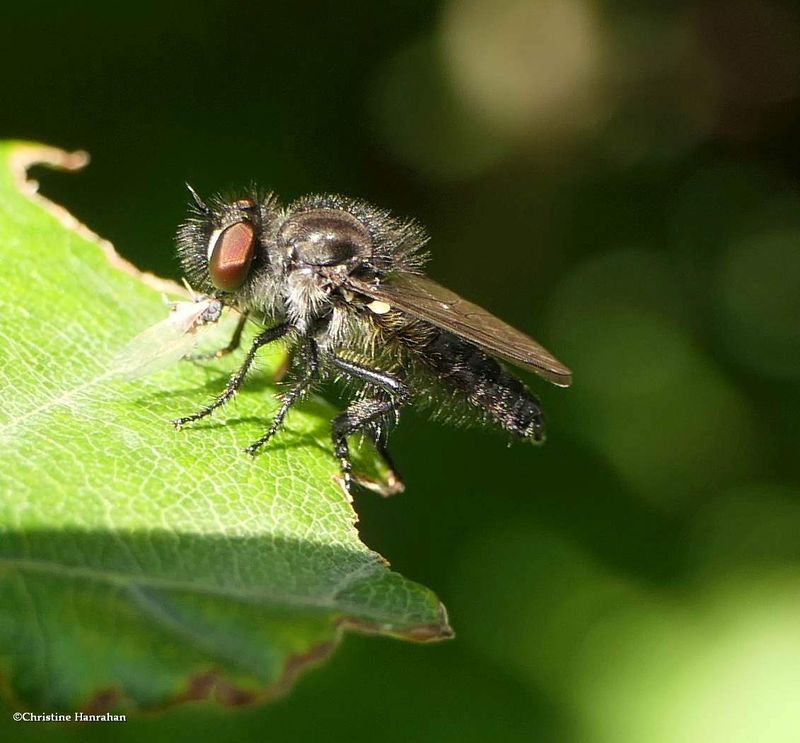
{"x":235,"y":382}
{"x":310,"y":375}
{"x":365,"y":414}
{"x":233,"y":344}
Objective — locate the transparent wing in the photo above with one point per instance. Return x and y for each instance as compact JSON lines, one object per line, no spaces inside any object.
{"x":168,"y":341}
{"x":426,"y":300}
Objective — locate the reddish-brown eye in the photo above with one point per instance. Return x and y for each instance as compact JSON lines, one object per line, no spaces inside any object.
{"x":231,"y":256}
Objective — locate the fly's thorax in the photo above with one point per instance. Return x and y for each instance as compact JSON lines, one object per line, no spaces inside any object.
{"x":305,"y":297}
{"x":319,"y":248}
{"x":352,"y":329}
{"x":330,"y":241}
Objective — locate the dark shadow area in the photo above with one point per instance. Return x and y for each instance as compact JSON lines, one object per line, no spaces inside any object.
{"x":251,"y":610}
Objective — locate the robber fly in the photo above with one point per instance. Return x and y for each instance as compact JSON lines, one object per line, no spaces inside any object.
{"x":341,"y":280}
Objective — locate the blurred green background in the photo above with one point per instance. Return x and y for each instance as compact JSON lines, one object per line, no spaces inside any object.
{"x":620,"y":180}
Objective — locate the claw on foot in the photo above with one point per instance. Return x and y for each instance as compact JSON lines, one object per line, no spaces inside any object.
{"x":252,"y":450}
{"x":340,"y":481}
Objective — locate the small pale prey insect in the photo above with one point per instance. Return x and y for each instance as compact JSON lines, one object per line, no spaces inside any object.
{"x":168,"y":341}
{"x":341,"y":281}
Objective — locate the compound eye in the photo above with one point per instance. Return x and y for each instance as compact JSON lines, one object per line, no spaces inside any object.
{"x":231,"y":254}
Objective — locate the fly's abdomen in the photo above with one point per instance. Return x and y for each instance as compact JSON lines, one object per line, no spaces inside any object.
{"x":461,"y":365}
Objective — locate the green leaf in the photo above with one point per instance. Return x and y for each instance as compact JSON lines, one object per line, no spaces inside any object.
{"x":140,"y":566}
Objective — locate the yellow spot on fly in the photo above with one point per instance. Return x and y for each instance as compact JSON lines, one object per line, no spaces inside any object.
{"x":379,"y":308}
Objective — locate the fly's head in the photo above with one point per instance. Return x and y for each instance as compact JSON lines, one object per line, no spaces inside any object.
{"x":224,"y":247}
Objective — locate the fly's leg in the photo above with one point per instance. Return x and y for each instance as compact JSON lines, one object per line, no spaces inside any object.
{"x":233,"y":344}
{"x":310,"y":375}
{"x":268,"y":336}
{"x":365,"y":414}
{"x":396,"y":479}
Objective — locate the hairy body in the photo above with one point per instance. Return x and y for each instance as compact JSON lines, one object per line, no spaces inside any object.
{"x":341,"y":281}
